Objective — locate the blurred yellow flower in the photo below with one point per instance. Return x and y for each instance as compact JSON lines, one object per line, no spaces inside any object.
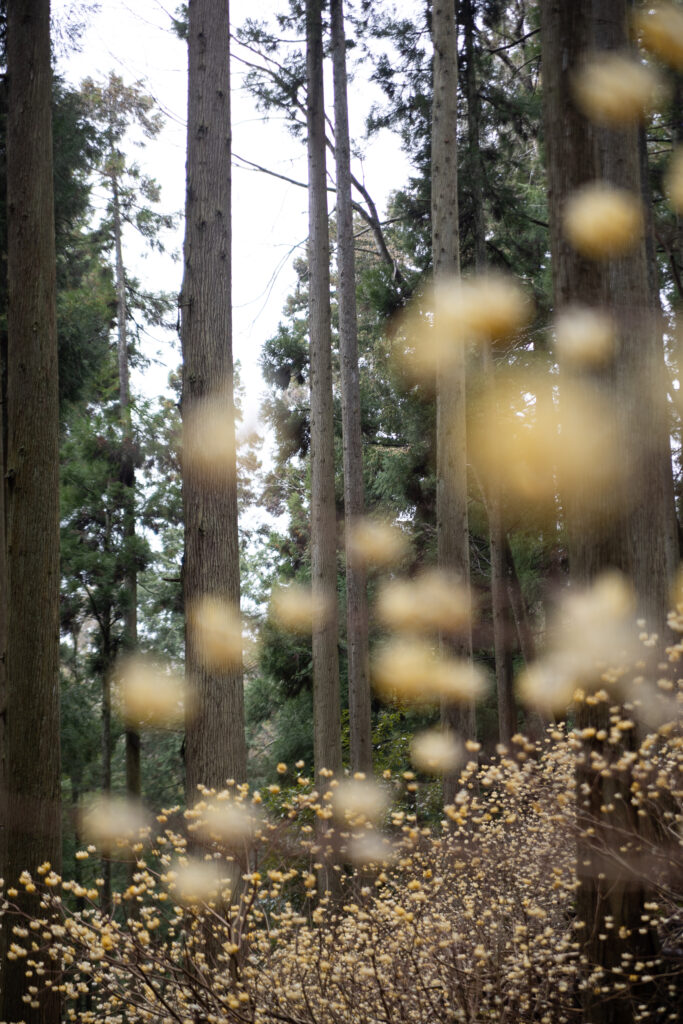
{"x":602,"y":221}
{"x":615,"y":89}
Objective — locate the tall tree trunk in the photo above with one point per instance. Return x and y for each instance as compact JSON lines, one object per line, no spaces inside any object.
{"x":3,"y":527}
{"x":500,"y":604}
{"x":3,"y":598}
{"x":106,"y":737}
{"x":525,"y":637}
{"x":133,"y":780}
{"x":675,"y":250}
{"x":356,"y":577}
{"x":326,"y":710}
{"x":639,"y":539}
{"x":451,"y":454}
{"x":32,"y":798}
{"x":476,"y":169}
{"x":215,"y":741}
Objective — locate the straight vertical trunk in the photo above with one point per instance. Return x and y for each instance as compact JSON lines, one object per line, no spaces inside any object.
{"x":525,"y":637}
{"x":476,"y":170}
{"x":133,"y":780}
{"x":639,"y":539}
{"x":503,"y":626}
{"x":106,"y":746}
{"x":3,"y":606}
{"x":215,"y":742}
{"x":356,"y":578}
{"x":676,"y":250}
{"x":500,"y":604}
{"x":3,"y":536}
{"x":451,"y":454}
{"x":326,"y":710}
{"x":32,"y":779}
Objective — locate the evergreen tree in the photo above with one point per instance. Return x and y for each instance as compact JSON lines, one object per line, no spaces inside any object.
{"x":215,"y":742}
{"x":31,"y":794}
{"x":326,"y":709}
{"x":117,"y":108}
{"x":451,"y":432}
{"x":356,"y":578}
{"x":636,"y":538}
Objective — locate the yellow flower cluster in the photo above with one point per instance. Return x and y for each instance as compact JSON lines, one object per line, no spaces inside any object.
{"x":479,"y":913}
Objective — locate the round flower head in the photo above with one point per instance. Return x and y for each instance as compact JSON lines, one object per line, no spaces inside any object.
{"x":209,"y":439}
{"x":584,"y":336}
{"x":660,"y":28}
{"x":217,"y":629}
{"x":601,"y":221}
{"x":150,"y":696}
{"x":616,"y":89}
{"x":295,"y":609}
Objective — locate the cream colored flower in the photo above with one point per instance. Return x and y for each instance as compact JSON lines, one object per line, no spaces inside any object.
{"x":150,"y":695}
{"x":294,"y":608}
{"x":436,"y":752}
{"x":660,"y":28}
{"x":616,"y":89}
{"x":376,"y":543}
{"x":433,"y":602}
{"x":602,"y":221}
{"x":217,"y":632}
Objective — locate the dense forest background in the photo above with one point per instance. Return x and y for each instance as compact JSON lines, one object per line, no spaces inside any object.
{"x":440,"y":571}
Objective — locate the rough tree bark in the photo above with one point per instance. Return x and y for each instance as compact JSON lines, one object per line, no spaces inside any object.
{"x":451,"y":454}
{"x":127,"y":472}
{"x":640,"y":541}
{"x":215,"y":747}
{"x":640,"y":538}
{"x":32,"y":800}
{"x":356,"y":578}
{"x":500,"y":604}
{"x":326,"y":710}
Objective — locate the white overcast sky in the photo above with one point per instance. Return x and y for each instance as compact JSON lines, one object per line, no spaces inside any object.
{"x":134,"y":39}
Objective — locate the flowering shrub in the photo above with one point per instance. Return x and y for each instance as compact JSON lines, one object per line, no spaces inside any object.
{"x":226,"y":918}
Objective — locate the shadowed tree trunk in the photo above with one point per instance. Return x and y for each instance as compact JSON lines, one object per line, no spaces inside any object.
{"x":133,"y":780}
{"x":356,"y":579}
{"x":215,"y":748}
{"x":326,"y":710}
{"x":451,"y":457}
{"x":31,"y":801}
{"x":106,"y":666}
{"x":639,"y":538}
{"x":500,"y":604}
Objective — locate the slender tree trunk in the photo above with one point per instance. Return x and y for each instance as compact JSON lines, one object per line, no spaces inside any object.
{"x":639,"y":538}
{"x":451,"y":454}
{"x":121,"y":313}
{"x":535,"y":723}
{"x":215,"y":741}
{"x":356,"y":578}
{"x":476,"y":170}
{"x":525,"y":636}
{"x":326,"y":711}
{"x":503,"y":626}
{"x":32,"y":799}
{"x":500,"y":605}
{"x":106,"y":738}
{"x":133,"y":779}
